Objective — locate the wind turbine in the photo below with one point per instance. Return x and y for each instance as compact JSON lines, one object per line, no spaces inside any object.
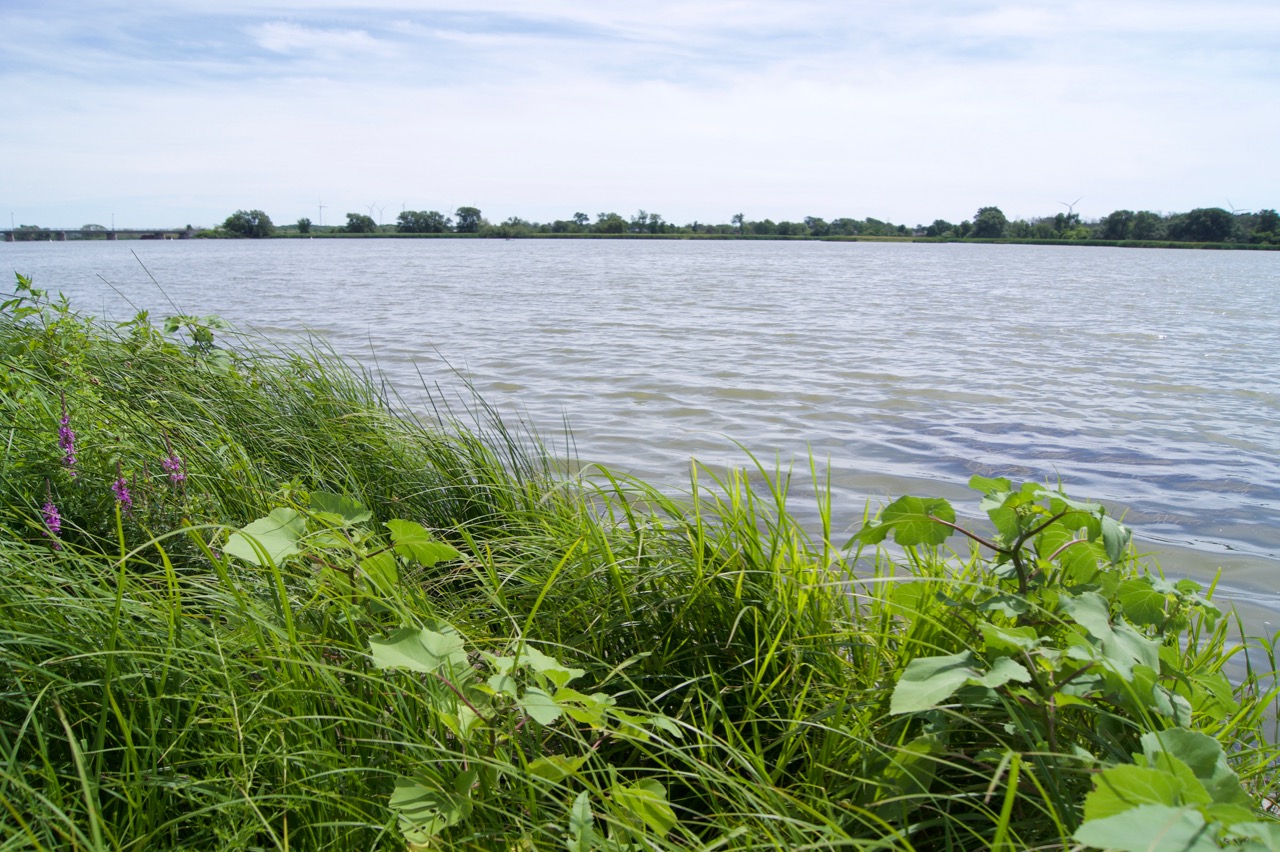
{"x":320,"y":223}
{"x":380,"y":209}
{"x":1071,"y":208}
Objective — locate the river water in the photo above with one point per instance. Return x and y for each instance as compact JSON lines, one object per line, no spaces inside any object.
{"x":1147,"y":379}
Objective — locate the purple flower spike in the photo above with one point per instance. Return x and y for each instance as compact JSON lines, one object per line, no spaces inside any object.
{"x":67,"y":440}
{"x":52,"y":523}
{"x":121,"y":489}
{"x":174,"y":465}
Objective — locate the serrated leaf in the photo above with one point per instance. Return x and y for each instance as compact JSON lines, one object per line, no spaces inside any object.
{"x":928,"y":681}
{"x":540,"y":706}
{"x":1203,"y":756}
{"x":646,"y":801}
{"x":381,"y":571}
{"x":420,"y":650}
{"x":1150,"y":828}
{"x":986,"y":485}
{"x":1004,"y":670}
{"x":555,"y":767}
{"x":549,"y":667}
{"x":1008,"y":640}
{"x":1141,"y":602}
{"x":425,"y":811}
{"x":274,"y":538}
{"x":412,"y":541}
{"x":912,"y":520}
{"x":582,"y":834}
{"x":347,"y":511}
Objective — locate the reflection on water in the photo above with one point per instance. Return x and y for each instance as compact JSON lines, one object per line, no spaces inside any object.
{"x":1144,"y":379}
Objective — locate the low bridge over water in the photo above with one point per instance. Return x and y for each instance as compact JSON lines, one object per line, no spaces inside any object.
{"x":61,"y":234}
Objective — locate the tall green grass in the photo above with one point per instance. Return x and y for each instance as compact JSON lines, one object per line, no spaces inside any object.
{"x":744,"y":680}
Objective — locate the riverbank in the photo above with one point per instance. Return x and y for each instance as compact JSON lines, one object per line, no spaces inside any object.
{"x":248,"y":606}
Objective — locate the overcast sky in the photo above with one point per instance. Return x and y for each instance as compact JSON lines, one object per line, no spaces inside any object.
{"x":164,"y":113}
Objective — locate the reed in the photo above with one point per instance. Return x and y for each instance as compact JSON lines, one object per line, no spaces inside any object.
{"x":276,"y":612}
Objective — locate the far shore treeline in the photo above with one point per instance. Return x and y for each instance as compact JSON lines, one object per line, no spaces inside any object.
{"x":1203,"y":225}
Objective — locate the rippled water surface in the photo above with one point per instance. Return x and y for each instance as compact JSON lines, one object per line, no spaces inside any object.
{"x":1149,"y":379}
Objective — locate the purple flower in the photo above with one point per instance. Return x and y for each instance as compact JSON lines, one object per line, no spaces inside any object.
{"x":174,"y":465}
{"x":67,"y":440}
{"x":52,"y":523}
{"x":121,"y":489}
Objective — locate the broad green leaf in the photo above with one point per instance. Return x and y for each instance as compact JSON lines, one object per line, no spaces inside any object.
{"x":1203,"y":755}
{"x":426,"y":811}
{"x":1150,"y":828}
{"x":1115,"y":537}
{"x":1004,"y":670}
{"x":345,"y":510}
{"x":1008,"y":640}
{"x":1121,"y":645}
{"x":540,"y":706}
{"x":1011,"y":606}
{"x":873,"y":533}
{"x":549,"y":667}
{"x":986,"y":486}
{"x":420,"y":650}
{"x":912,"y":520}
{"x":276,"y":537}
{"x":381,"y":571}
{"x":504,"y":684}
{"x":1118,"y":789}
{"x":582,"y":833}
{"x":555,"y":767}
{"x":1141,"y":601}
{"x":646,"y":801}
{"x":928,"y":681}
{"x":1265,"y":834}
{"x":412,"y":541}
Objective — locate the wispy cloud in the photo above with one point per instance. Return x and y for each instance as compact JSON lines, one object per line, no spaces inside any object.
{"x":903,"y":111}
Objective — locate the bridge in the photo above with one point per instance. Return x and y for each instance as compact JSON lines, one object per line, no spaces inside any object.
{"x":61,"y":234}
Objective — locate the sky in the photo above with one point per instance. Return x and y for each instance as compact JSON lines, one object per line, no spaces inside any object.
{"x":159,"y":114}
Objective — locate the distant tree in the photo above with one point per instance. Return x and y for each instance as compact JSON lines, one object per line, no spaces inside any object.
{"x":939,"y":228}
{"x":738,"y":220}
{"x":763,"y":228}
{"x":359,"y":223}
{"x":1147,"y":226}
{"x":1117,"y":225}
{"x":249,"y":223}
{"x":469,"y":220}
{"x":1268,"y":221}
{"x":817,"y":227}
{"x":1203,"y":225}
{"x":639,"y":223}
{"x":581,"y":219}
{"x":422,"y":222}
{"x":304,"y":225}
{"x":989,"y":223}
{"x":610,"y":223}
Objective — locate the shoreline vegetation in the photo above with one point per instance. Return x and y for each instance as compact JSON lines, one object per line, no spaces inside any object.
{"x":250,"y":604}
{"x":1210,"y":227}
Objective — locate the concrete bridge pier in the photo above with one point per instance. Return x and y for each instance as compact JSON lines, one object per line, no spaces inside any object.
{"x":62,"y":236}
{"x":111,"y":235}
{"x":8,"y":236}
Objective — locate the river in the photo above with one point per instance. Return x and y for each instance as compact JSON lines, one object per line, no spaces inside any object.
{"x":1146,"y":379}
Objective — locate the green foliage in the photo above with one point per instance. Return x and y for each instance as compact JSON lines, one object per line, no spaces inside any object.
{"x":249,"y":223}
{"x":345,"y":629}
{"x":422,"y":222}
{"x":359,"y":223}
{"x":989,"y":222}
{"x":469,"y":220}
{"x":304,"y":225}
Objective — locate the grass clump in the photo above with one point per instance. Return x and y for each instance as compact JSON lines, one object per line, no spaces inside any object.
{"x":245,"y":605}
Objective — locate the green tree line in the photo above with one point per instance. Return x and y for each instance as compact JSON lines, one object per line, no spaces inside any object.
{"x":1201,"y":225}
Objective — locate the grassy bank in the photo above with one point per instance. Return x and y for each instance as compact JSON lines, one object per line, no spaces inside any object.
{"x":247,"y":606}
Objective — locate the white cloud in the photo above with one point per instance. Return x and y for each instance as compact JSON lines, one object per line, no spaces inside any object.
{"x":907,"y":111}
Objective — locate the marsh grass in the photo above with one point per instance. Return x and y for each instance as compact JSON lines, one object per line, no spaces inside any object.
{"x":157,"y":692}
